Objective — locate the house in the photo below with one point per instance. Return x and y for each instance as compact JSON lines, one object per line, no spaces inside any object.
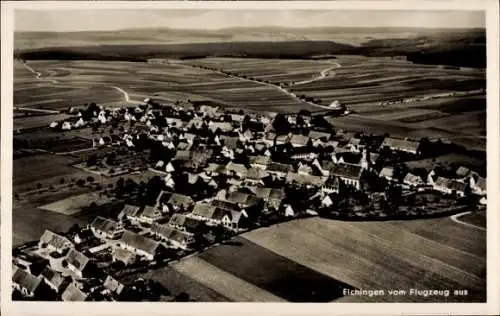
{"x":279,"y":170}
{"x":105,"y":228}
{"x":223,"y":126}
{"x":450,"y":186}
{"x":140,"y":245}
{"x":185,"y":223}
{"x":175,"y":238}
{"x":478,"y":185}
{"x":182,"y":155}
{"x":180,"y":202}
{"x":298,"y":140}
{"x":130,"y":212}
{"x":256,"y":176}
{"x":78,"y":263}
{"x":51,"y":241}
{"x":319,"y":136}
{"x":387,"y":173}
{"x":243,"y":200}
{"x":25,"y":282}
{"x":271,"y":197}
{"x":231,"y":142}
{"x":123,"y":255}
{"x":326,"y":201}
{"x":259,"y":162}
{"x":204,"y":212}
{"x":289,"y":211}
{"x":331,"y":185}
{"x":236,"y":169}
{"x":73,"y":294}
{"x":54,"y":279}
{"x":413,"y":180}
{"x":404,"y":145}
{"x":214,"y":215}
{"x":348,"y":173}
{"x":150,"y":214}
{"x":304,"y":179}
{"x":113,"y":285}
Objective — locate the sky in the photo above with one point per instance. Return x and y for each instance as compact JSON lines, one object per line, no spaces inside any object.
{"x":104,"y":20}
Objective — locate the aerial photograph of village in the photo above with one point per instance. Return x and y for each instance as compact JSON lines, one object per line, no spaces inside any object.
{"x":249,"y":156}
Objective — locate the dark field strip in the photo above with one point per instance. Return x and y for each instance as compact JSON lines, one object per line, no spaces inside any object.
{"x":177,"y":283}
{"x":475,"y":218}
{"x":274,"y":273}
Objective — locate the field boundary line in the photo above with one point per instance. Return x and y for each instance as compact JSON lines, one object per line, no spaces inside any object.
{"x":456,"y":220}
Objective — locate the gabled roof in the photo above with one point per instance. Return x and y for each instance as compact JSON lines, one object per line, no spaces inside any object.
{"x":225,"y":205}
{"x":244,"y":199}
{"x":298,"y":139}
{"x":463,"y":172}
{"x":139,"y":242}
{"x":182,"y":155}
{"x":224,"y":126}
{"x":73,"y":294}
{"x":150,"y":212}
{"x":401,"y":143}
{"x":187,"y":222}
{"x":113,"y":285}
{"x":304,"y":179}
{"x":332,"y":181}
{"x":130,"y":210}
{"x":54,"y":277}
{"x":259,"y":160}
{"x":387,"y":172}
{"x":55,"y":240}
{"x":256,"y":174}
{"x":103,"y":224}
{"x":216,"y":168}
{"x":451,"y":184}
{"x":349,"y":171}
{"x":122,"y":255}
{"x":229,"y":141}
{"x":203,"y":210}
{"x":25,"y":279}
{"x":319,"y":135}
{"x":278,"y":167}
{"x":411,"y":178}
{"x":77,"y":259}
{"x":177,"y":199}
{"x":236,"y":167}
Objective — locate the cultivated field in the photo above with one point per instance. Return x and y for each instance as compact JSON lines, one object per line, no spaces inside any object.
{"x":74,"y":204}
{"x":314,"y":259}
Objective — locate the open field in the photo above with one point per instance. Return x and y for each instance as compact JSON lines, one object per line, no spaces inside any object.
{"x":74,"y":204}
{"x":32,"y":169}
{"x":475,"y":218}
{"x":315,"y":257}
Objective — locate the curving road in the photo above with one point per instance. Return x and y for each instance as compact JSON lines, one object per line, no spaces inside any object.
{"x":272,"y":85}
{"x":323,"y":74}
{"x":456,"y":220}
{"x":39,"y":77}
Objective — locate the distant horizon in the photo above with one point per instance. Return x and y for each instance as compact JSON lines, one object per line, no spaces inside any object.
{"x":261,"y":27}
{"x":216,"y":20}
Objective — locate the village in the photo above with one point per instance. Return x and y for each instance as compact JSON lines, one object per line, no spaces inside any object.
{"x":219,"y":173}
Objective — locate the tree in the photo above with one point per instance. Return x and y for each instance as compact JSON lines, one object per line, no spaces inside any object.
{"x":80,"y":182}
{"x":281,"y":124}
{"x":38,"y":186}
{"x":62,"y":181}
{"x":90,"y":179}
{"x":92,"y":160}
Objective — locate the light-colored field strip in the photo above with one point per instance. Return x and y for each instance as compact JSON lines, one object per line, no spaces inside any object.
{"x":456,"y":219}
{"x":222,"y":282}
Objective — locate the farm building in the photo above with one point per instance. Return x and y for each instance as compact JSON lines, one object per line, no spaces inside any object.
{"x":54,"y":242}
{"x":185,"y":223}
{"x":279,"y":170}
{"x":25,"y":282}
{"x":130,"y":212}
{"x":78,"y":263}
{"x":259,"y":162}
{"x":140,"y":245}
{"x":73,"y":294}
{"x":255,"y":176}
{"x":319,"y":136}
{"x":105,"y":228}
{"x":298,"y":140}
{"x":413,"y":180}
{"x":54,"y":279}
{"x":387,"y":173}
{"x":214,"y":215}
{"x":304,"y":179}
{"x":113,"y":285}
{"x":175,"y":238}
{"x":450,"y":186}
{"x":150,"y":214}
{"x":123,"y":255}
{"x":271,"y":197}
{"x":404,"y":145}
{"x":348,"y":173}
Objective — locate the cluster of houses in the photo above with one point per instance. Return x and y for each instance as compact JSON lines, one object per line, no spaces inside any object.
{"x":242,"y":165}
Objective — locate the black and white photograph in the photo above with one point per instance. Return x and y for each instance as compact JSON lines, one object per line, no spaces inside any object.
{"x":244,"y":154}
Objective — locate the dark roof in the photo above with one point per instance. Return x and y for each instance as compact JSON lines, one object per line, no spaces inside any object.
{"x":54,"y":239}
{"x":451,"y":184}
{"x":103,"y":224}
{"x":170,"y":233}
{"x":229,"y":141}
{"x":25,"y":279}
{"x":52,"y":276}
{"x":278,"y":167}
{"x":463,"y":172}
{"x":332,"y":181}
{"x":182,"y":220}
{"x":77,"y":259}
{"x":346,"y":171}
{"x":122,"y":254}
{"x":225,"y":205}
{"x":319,"y":135}
{"x":139,"y":242}
{"x":73,"y":294}
{"x":203,"y":210}
{"x":151,"y":212}
{"x":256,"y":174}
{"x":180,"y":200}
